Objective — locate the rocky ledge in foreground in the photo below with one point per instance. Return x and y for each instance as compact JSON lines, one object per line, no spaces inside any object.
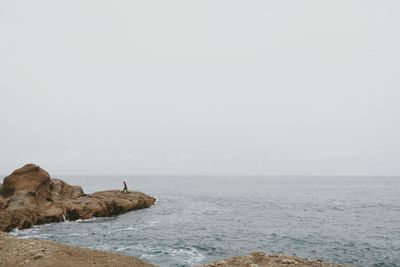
{"x":39,"y":253}
{"x":29,"y":196}
{"x":260,"y":259}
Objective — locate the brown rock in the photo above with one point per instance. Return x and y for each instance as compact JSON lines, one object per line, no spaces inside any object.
{"x":40,"y":253}
{"x":29,"y":196}
{"x":61,"y":190}
{"x":260,"y":259}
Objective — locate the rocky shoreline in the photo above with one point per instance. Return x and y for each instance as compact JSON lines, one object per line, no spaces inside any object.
{"x":260,"y":259}
{"x":40,"y":253}
{"x":28,"y":197}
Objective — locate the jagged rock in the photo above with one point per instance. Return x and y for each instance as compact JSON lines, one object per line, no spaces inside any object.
{"x":29,"y":196}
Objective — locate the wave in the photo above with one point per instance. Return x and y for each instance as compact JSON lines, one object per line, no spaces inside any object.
{"x":86,"y":220}
{"x":187,"y":255}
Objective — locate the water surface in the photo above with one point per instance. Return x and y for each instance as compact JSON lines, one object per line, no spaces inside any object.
{"x":198,"y":219}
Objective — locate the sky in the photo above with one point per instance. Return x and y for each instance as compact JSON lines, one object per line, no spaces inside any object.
{"x":204,"y":87}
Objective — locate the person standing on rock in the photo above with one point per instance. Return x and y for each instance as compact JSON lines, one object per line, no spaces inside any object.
{"x":125,"y":190}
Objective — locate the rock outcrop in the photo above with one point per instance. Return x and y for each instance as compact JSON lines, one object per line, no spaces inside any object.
{"x":260,"y":259}
{"x":29,"y":196}
{"x":40,"y":253}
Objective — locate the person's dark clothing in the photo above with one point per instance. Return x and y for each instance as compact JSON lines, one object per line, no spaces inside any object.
{"x":125,"y":190}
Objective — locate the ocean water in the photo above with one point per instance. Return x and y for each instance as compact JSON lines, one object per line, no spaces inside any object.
{"x":198,"y":219}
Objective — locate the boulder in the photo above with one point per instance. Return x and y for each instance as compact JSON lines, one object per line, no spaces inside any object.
{"x":29,"y":180}
{"x":29,"y":197}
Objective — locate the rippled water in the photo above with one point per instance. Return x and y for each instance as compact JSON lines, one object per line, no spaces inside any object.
{"x":352,"y":220}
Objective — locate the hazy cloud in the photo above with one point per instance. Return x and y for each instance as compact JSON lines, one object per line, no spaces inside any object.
{"x":200,"y":87}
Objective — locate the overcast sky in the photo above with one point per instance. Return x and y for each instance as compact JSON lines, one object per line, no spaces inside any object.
{"x":200,"y":87}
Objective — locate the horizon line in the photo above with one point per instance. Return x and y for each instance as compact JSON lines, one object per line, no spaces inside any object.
{"x":287,"y":175}
{"x":225,"y":175}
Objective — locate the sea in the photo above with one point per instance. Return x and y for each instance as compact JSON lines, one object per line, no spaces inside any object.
{"x":200,"y":219}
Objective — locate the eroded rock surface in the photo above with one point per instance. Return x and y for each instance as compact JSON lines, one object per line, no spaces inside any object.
{"x":260,"y":259}
{"x":29,"y":196}
{"x":40,"y":253}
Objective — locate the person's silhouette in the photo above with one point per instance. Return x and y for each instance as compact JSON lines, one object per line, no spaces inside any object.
{"x":125,"y":190}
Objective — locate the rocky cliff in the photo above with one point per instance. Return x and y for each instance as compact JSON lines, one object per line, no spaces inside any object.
{"x":29,"y":196}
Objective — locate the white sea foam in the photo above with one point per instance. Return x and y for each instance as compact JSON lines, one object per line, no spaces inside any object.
{"x":86,"y":220}
{"x":25,"y":232}
{"x":188,"y":255}
{"x":38,"y":236}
